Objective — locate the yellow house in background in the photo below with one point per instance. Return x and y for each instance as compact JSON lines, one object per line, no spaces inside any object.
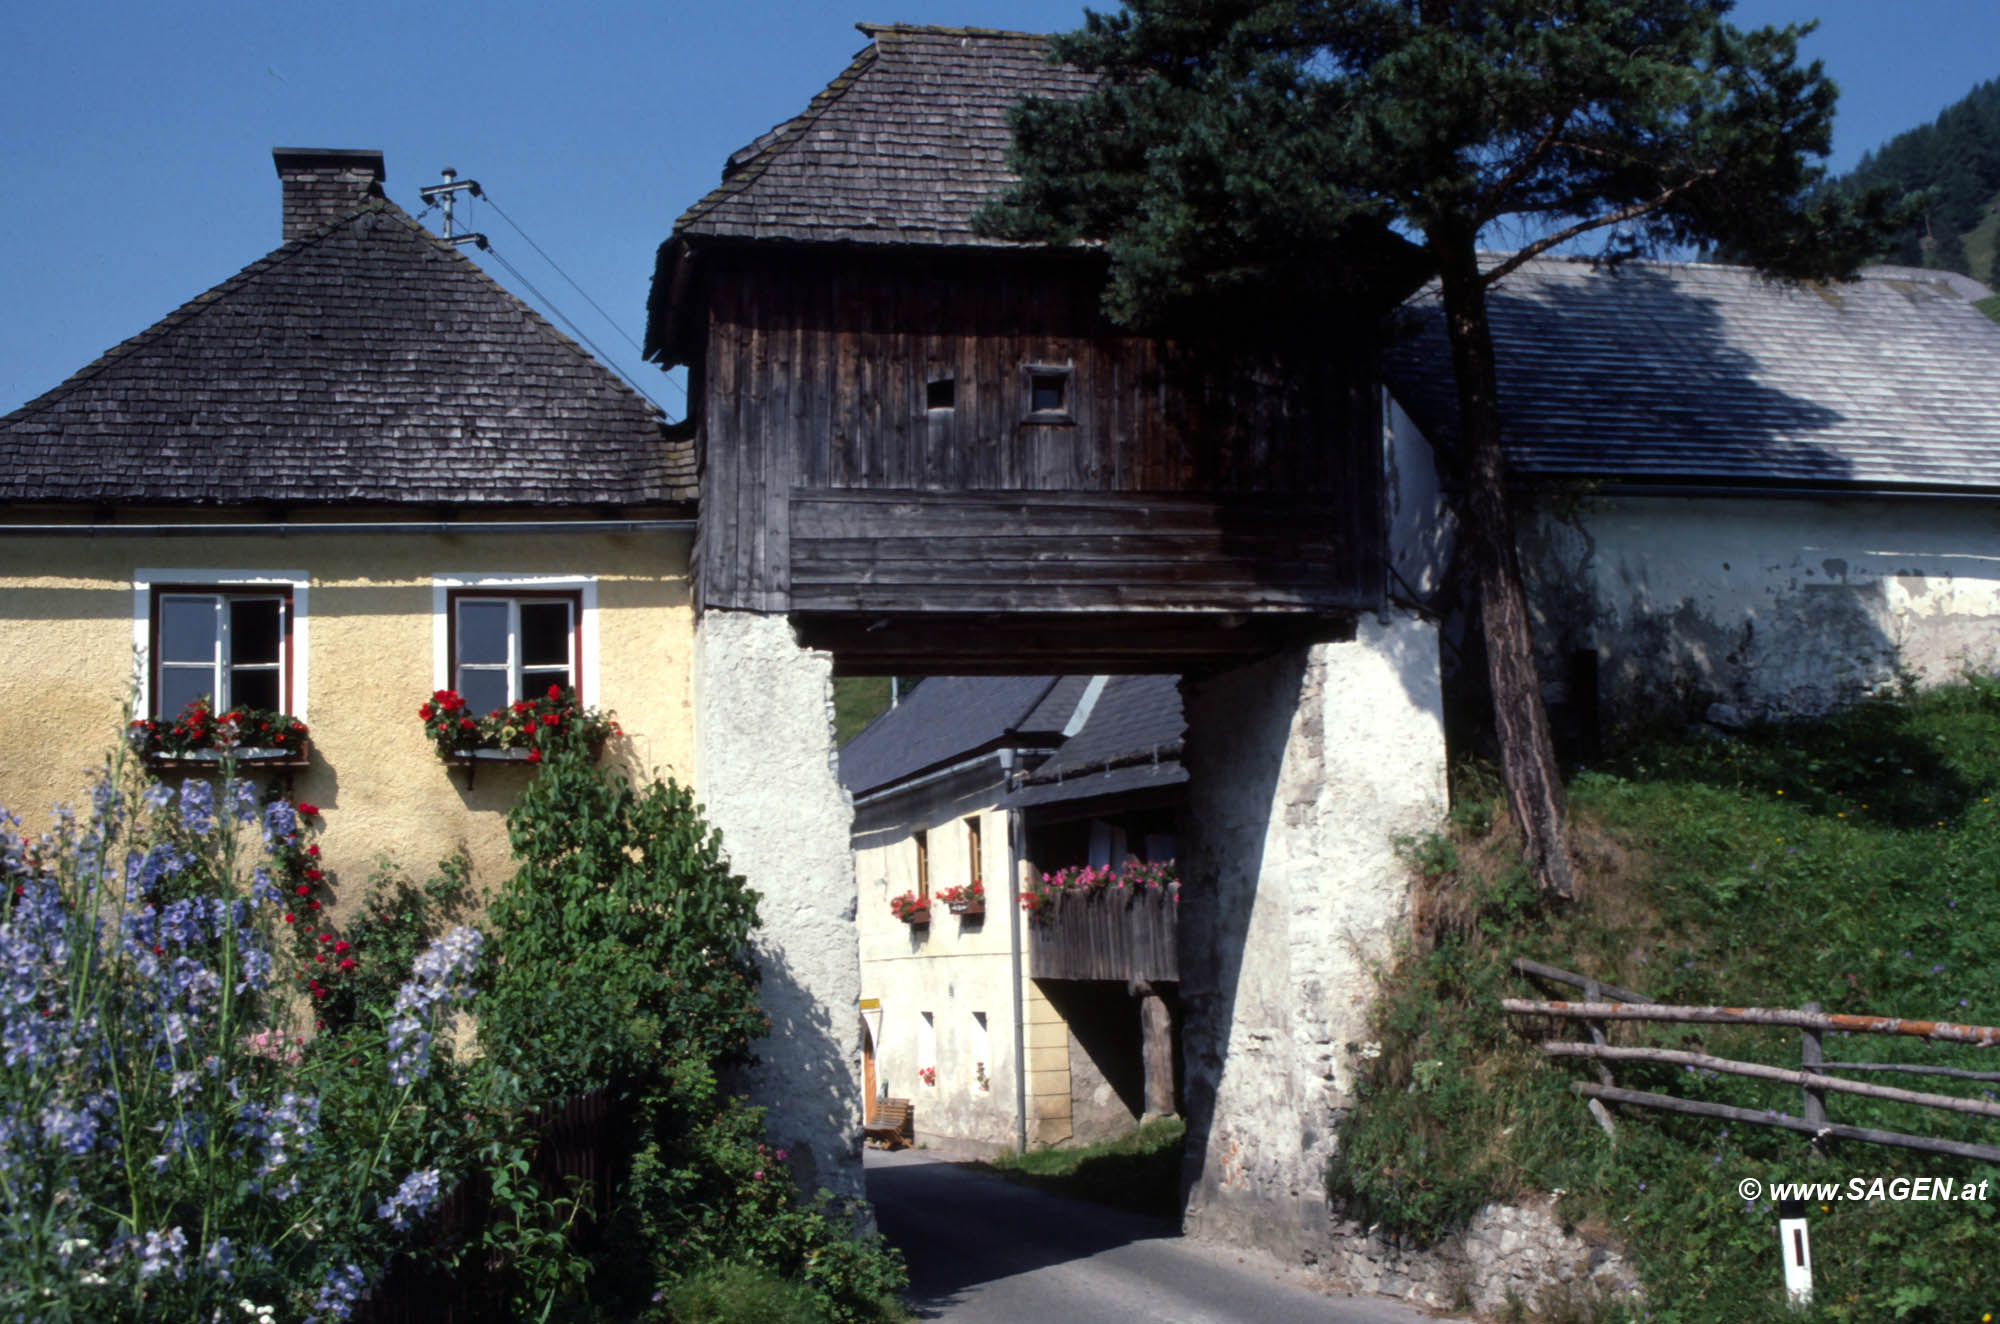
{"x":356,"y":472}
{"x":1002,"y":1029}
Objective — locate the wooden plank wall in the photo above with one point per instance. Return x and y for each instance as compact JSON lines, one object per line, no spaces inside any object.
{"x":1055,"y":551}
{"x":1105,"y":936}
{"x":815,"y":386}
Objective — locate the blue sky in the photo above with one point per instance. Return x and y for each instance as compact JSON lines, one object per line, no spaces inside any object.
{"x":135,"y":138}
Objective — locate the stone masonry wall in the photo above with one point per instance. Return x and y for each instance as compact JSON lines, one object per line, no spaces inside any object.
{"x":764,"y":774}
{"x":1520,"y":1252}
{"x":1304,"y":770}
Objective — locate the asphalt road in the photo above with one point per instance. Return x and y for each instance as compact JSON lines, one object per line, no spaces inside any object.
{"x":985,"y":1251}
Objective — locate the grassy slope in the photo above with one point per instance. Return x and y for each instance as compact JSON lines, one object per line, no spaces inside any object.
{"x":1140,"y":1171}
{"x":1854,"y":862}
{"x":1982,"y":239}
{"x":857,"y":701}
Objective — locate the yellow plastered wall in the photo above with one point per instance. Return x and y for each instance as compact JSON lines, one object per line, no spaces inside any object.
{"x":66,"y":665}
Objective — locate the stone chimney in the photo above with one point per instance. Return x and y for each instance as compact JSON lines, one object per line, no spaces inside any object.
{"x":324,"y":184}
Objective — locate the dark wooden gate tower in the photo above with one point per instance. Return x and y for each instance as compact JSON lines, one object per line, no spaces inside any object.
{"x":931,"y":451}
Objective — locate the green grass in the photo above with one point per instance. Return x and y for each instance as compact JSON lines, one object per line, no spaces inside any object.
{"x":1990,"y":306}
{"x":857,"y":701}
{"x":1982,"y":239}
{"x":1139,"y":1172}
{"x":1854,"y":862}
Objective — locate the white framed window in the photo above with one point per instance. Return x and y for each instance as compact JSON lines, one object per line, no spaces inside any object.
{"x":506,"y":647}
{"x":235,"y":638}
{"x":503,"y":638}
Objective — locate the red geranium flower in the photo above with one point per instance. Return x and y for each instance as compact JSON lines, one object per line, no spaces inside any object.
{"x":424,"y":712}
{"x":301,"y":889}
{"x":534,"y":756}
{"x":310,"y":811}
{"x":555,"y":691}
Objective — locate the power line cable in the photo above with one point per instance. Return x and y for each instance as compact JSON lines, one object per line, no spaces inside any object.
{"x":574,"y":330}
{"x":565,"y":275}
{"x":609,"y":320}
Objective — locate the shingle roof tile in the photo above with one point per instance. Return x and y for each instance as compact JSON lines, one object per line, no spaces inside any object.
{"x":901,"y":148}
{"x":1700,"y":373}
{"x":365,"y":362}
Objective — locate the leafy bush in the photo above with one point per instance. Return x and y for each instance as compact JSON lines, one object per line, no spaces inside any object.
{"x":739,"y":1294}
{"x":624,"y":946}
{"x":215,"y":1103}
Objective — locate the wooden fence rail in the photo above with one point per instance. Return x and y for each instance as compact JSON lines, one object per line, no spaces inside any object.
{"x":1812,"y":1078}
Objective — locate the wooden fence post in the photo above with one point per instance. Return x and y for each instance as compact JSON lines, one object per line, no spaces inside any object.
{"x":1592,"y":991}
{"x":1812,"y":1057}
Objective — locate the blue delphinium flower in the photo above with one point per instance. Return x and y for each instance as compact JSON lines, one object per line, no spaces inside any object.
{"x":441,"y":974}
{"x":281,"y":824}
{"x":198,"y":806}
{"x":162,"y":1253}
{"x":337,"y":1297}
{"x":413,"y":1199}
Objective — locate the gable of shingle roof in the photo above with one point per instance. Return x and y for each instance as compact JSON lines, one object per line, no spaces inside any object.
{"x":901,"y":148}
{"x":1679,"y":372}
{"x":366,"y":362}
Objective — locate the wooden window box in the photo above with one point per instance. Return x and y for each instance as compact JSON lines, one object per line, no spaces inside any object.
{"x":916,"y":919}
{"x":967,"y":907}
{"x":252,"y":758}
{"x":470,"y":759}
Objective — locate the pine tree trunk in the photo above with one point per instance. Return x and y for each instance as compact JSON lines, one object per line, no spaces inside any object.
{"x":1527,"y":755}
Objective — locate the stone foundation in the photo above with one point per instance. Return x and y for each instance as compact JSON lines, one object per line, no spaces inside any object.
{"x":1507,"y":1253}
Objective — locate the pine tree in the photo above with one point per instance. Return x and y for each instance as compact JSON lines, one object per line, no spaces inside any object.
{"x":1270,"y":155}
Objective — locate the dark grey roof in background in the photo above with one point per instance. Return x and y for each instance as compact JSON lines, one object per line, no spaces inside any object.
{"x":1094,"y":785}
{"x":367,"y":362}
{"x":1657,"y":371}
{"x":948,"y":718}
{"x":1130,"y":741}
{"x":901,"y":148}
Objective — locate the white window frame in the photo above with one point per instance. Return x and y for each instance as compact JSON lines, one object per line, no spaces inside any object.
{"x":296,"y":583}
{"x":525,"y":586}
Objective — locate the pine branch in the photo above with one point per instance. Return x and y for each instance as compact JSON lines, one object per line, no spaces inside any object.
{"x":1563,"y":236}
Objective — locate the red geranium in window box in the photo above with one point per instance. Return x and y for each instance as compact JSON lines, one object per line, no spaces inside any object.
{"x":255,"y":737}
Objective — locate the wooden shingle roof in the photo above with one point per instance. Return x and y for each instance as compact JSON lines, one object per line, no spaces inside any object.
{"x":901,"y":148}
{"x":365,"y":362}
{"x":1673,"y":372}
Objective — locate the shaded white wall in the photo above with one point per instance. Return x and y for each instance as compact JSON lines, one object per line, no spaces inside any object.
{"x":764,"y":774}
{"x":1304,"y":771}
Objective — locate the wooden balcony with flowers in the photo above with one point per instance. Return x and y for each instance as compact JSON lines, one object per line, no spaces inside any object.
{"x":1105,"y":923}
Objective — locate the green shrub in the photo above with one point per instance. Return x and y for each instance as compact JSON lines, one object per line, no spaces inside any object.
{"x":624,"y":945}
{"x":739,"y":1294}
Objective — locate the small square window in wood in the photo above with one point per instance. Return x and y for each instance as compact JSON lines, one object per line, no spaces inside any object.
{"x":941,"y":394}
{"x":1048,"y":390}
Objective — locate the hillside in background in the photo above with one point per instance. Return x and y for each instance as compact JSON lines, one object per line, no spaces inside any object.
{"x":1957,"y":157}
